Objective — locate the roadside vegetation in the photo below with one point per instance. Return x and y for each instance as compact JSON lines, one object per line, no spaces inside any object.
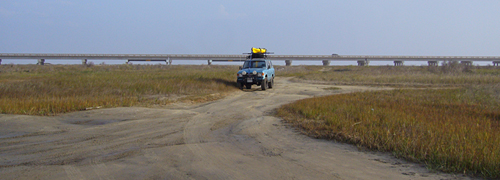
{"x":451,"y":74}
{"x":447,"y":117}
{"x":54,"y":89}
{"x":452,"y":129}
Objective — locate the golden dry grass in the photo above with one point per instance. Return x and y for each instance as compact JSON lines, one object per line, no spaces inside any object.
{"x":401,"y":76}
{"x":453,"y":130}
{"x":53,"y":89}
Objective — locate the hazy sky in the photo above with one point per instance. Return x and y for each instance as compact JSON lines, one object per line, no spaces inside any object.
{"x":348,"y":27}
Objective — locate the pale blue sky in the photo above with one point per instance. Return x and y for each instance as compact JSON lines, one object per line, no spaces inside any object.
{"x":348,"y":27}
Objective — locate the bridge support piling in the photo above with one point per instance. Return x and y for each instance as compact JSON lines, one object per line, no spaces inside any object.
{"x":41,"y":62}
{"x":326,"y":62}
{"x":0,"y":61}
{"x":209,"y":62}
{"x":84,"y":61}
{"x":398,"y":63}
{"x":288,"y":62}
{"x":495,"y":63}
{"x":432,"y":63}
{"x":362,"y":63}
{"x":169,"y":61}
{"x":467,"y":63}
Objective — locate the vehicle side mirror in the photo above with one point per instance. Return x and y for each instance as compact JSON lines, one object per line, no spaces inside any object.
{"x":240,"y":67}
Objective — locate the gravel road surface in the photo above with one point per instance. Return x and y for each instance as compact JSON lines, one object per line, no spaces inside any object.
{"x":233,"y":138}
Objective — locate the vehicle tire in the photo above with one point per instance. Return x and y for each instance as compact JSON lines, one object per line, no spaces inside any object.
{"x":240,"y":86}
{"x":249,"y":86}
{"x":264,"y":84}
{"x":271,"y":84}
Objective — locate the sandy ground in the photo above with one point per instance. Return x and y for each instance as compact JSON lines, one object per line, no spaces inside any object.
{"x":233,"y":138}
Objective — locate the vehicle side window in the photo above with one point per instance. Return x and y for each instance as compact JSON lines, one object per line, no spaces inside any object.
{"x":262,"y":64}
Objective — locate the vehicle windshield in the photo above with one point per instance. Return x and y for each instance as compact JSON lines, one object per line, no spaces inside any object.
{"x":254,"y":64}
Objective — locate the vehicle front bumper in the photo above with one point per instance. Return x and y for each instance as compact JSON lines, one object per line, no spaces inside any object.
{"x":250,"y":80}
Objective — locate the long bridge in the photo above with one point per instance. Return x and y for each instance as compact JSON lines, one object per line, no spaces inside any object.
{"x":362,"y":60}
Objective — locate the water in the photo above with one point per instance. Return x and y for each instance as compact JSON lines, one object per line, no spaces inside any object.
{"x":203,"y":62}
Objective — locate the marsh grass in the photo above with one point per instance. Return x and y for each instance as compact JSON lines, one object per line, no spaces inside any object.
{"x":455,"y":129}
{"x":53,"y":89}
{"x":451,"y":74}
{"x":452,"y":130}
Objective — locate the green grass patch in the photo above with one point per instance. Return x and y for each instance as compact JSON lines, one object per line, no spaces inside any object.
{"x":53,"y":89}
{"x":452,"y":130}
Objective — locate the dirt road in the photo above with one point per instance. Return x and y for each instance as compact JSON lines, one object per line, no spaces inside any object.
{"x":233,"y":138}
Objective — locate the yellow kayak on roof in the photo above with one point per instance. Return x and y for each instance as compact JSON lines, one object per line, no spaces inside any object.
{"x":259,"y":50}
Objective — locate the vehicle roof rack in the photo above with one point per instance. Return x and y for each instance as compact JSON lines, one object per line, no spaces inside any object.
{"x":258,"y":53}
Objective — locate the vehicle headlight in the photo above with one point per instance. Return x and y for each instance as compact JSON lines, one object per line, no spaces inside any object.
{"x":244,"y":73}
{"x":254,"y":72}
{"x":240,"y":75}
{"x":260,"y":74}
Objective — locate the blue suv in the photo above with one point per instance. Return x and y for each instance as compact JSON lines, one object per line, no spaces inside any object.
{"x":256,"y":71}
